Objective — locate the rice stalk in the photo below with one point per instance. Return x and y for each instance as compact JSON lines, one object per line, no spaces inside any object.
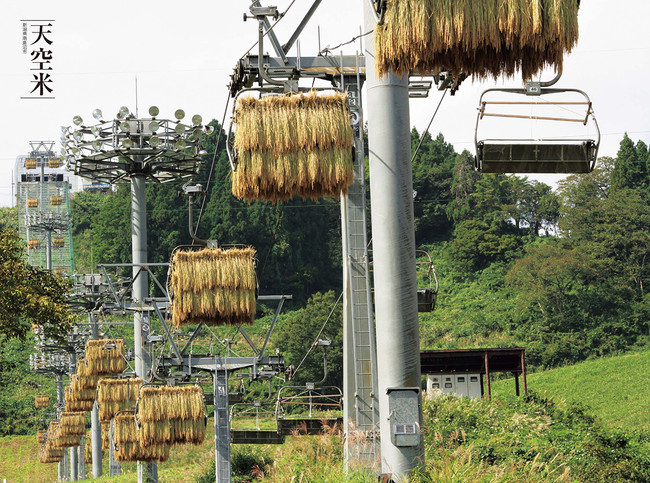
{"x":115,"y":395}
{"x":128,"y":446}
{"x":42,"y":401}
{"x":214,"y":286}
{"x":106,"y":435}
{"x":285,"y":143}
{"x":88,"y":451}
{"x":171,"y":415}
{"x":72,"y":423}
{"x":484,"y":38}
{"x":41,"y":436}
{"x":105,"y":357}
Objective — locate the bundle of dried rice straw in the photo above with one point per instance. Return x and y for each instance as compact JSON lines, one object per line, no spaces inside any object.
{"x":41,"y":435}
{"x":115,"y":395}
{"x":42,"y":401}
{"x":72,"y":423}
{"x":88,"y":451}
{"x":213,"y":286}
{"x":172,"y":415}
{"x":106,"y":435}
{"x":75,"y":402}
{"x":128,"y":446}
{"x":479,"y":38}
{"x":59,"y":440}
{"x":295,"y":144}
{"x":105,"y":357}
{"x":84,"y":380}
{"x":48,"y":453}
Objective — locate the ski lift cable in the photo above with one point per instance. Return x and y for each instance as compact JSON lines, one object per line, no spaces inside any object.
{"x":319,"y":333}
{"x":430,"y":122}
{"x":214,"y":157}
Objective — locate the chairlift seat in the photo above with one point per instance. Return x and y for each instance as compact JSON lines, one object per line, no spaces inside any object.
{"x":307,"y":426}
{"x":511,"y":156}
{"x":426,"y":300}
{"x":255,"y":437}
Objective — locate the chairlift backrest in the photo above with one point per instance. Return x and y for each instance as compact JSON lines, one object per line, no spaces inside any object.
{"x":575,"y":153}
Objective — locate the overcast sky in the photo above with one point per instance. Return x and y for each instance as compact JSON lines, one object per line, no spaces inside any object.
{"x":183,"y":52}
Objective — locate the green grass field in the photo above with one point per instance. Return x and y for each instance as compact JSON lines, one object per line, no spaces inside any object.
{"x":617,"y":389}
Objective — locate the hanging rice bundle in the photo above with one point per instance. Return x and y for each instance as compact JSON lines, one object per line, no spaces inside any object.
{"x":32,"y":202}
{"x":54,"y":162}
{"x":105,"y":357}
{"x":48,"y":453}
{"x":58,"y":242}
{"x":55,"y":200}
{"x":76,"y":401}
{"x":214,"y":286}
{"x":84,"y":378}
{"x":59,"y":440}
{"x":115,"y":395}
{"x":297,"y":144}
{"x":72,"y":423}
{"x":172,"y":415}
{"x":41,"y":436}
{"x":88,"y":451}
{"x":128,"y":446}
{"x":479,"y":38}
{"x":33,"y":243}
{"x":41,"y":401}
{"x":106,"y":435}
{"x":30,"y":163}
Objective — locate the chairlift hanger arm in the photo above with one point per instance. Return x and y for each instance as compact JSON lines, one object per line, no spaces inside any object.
{"x":303,"y":23}
{"x":268,"y":30}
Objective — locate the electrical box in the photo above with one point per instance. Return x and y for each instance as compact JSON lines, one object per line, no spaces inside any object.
{"x":448,"y":384}
{"x":468,"y":385}
{"x":460,"y":384}
{"x":404,"y":410}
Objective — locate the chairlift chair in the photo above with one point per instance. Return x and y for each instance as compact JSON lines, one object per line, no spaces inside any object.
{"x":246,"y":412}
{"x":427,"y":296}
{"x":557,"y":155}
{"x":309,"y":397}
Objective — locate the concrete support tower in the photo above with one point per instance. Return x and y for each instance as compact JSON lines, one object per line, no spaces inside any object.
{"x":391,"y":194}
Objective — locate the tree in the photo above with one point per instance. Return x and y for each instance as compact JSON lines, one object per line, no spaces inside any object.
{"x":29,"y":294}
{"x":297,"y":331}
{"x":462,"y":188}
{"x":432,"y":176}
{"x":630,"y":169}
{"x":8,"y":218}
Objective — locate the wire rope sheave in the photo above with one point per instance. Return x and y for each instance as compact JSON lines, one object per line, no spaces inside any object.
{"x":127,"y":442}
{"x":568,"y":143}
{"x":292,"y":145}
{"x":215,"y":286}
{"x":171,"y":415}
{"x":484,"y":38}
{"x":114,"y":395}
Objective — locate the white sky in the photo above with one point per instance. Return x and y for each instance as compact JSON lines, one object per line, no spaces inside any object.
{"x":183,"y":52}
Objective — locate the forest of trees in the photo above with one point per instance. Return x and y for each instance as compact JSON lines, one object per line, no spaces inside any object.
{"x":561,"y":272}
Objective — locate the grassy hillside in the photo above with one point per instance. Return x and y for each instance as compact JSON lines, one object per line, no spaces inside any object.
{"x":19,"y":461}
{"x":616,"y":389}
{"x":531,"y":439}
